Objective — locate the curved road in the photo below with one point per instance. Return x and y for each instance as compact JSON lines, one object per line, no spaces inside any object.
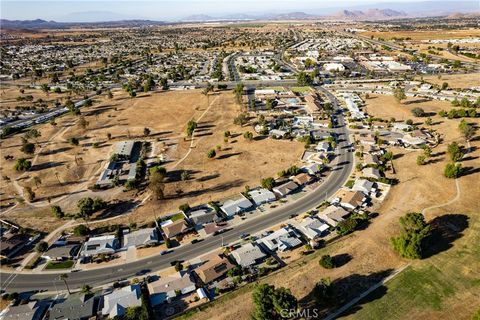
{"x":40,"y":281}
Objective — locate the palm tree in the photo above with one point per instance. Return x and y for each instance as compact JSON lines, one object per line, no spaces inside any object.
{"x":64,"y":278}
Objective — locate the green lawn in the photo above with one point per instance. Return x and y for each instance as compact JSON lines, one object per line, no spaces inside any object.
{"x":301,"y":89}
{"x":59,"y":265}
{"x":446,"y":284}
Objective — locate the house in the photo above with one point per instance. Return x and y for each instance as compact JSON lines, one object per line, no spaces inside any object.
{"x":261,"y":195}
{"x":116,"y":303}
{"x":168,"y":287}
{"x":100,"y":245}
{"x":175,"y":228}
{"x":351,"y":199}
{"x":238,"y":205}
{"x":75,"y":306}
{"x":302,"y":179}
{"x":124,"y":149}
{"x":322,"y":146}
{"x":333,"y":215}
{"x":367,"y":139}
{"x":34,"y":310}
{"x":283,"y":239}
{"x":284,"y":189}
{"x":248,"y":255}
{"x":400,"y":126}
{"x":312,"y":228}
{"x":277,"y":134}
{"x":370,"y":172}
{"x":213,"y":269}
{"x":59,"y":253}
{"x":312,"y":168}
{"x":203,"y":215}
{"x":11,"y":243}
{"x":411,"y":141}
{"x":313,"y":105}
{"x":370,"y":159}
{"x":363,"y":185}
{"x":141,"y":238}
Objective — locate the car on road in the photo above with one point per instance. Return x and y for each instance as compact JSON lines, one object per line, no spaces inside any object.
{"x":195,"y":241}
{"x":293,"y":215}
{"x":244,"y":235}
{"x":164,"y":252}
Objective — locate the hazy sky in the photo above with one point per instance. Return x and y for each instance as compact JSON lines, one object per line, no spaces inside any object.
{"x":66,"y":10}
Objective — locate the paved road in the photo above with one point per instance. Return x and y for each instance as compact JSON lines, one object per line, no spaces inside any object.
{"x":26,"y":281}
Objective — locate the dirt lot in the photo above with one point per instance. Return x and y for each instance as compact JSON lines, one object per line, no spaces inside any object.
{"x":425,"y":35}
{"x":66,"y":171}
{"x":369,"y":252}
{"x":461,"y":81}
{"x":385,"y":106}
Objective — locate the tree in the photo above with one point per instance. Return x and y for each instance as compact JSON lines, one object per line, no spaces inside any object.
{"x":156,"y":185}
{"x":414,"y":229}
{"x":74,"y":141}
{"x":427,"y":151}
{"x":284,"y":300}
{"x":185,"y":175}
{"x":33,"y":134}
{"x":418,"y":112}
{"x":248,"y":136}
{"x":82,"y":122}
{"x":184,"y":207}
{"x":455,"y":151}
{"x":37,"y":181}
{"x":428,"y":122}
{"x":211,"y":153}
{"x":86,"y":289}
{"x":64,"y":278}
{"x":421,"y":160}
{"x":241,"y":119}
{"x":270,"y":303}
{"x":326,"y":261}
{"x":42,"y":246}
{"x":452,"y":170}
{"x":444,"y":85}
{"x":81,"y":230}
{"x":399,"y":94}
{"x":57,"y":211}
{"x":268,"y":183}
{"x":28,"y":194}
{"x":28,"y":148}
{"x":304,"y":79}
{"x":238,"y":91}
{"x":466,"y":129}
{"x":110,"y":94}
{"x":191,"y":126}
{"x":323,"y":292}
{"x":87,"y":206}
{"x":146,"y":131}
{"x":346,"y":226}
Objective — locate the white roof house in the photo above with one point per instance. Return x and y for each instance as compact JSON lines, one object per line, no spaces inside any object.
{"x":140,"y":238}
{"x":248,"y":255}
{"x":115,"y":303}
{"x":167,"y":287}
{"x":100,"y":245}
{"x":400,"y":126}
{"x":261,"y":195}
{"x":363,"y":185}
{"x":322,"y":146}
{"x":312,"y":168}
{"x":312,"y":228}
{"x":232,"y":207}
{"x":282,"y":239}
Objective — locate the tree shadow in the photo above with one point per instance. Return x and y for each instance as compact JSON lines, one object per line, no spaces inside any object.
{"x":46,"y":165}
{"x":55,"y":151}
{"x":228,"y":155}
{"x":341,"y":259}
{"x":469,"y":170}
{"x":444,"y":231}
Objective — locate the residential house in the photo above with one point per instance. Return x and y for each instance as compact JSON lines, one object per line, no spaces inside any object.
{"x":363,"y":185}
{"x":333,"y":215}
{"x":34,"y":310}
{"x":312,"y":228}
{"x":203,"y":215}
{"x":261,"y":195}
{"x":400,"y":126}
{"x":100,"y":245}
{"x":235,"y":206}
{"x":370,"y":159}
{"x":169,"y":286}
{"x":59,"y":253}
{"x":302,"y":179}
{"x":116,"y":303}
{"x":75,"y":307}
{"x":141,"y":238}
{"x":176,"y":228}
{"x":370,"y":172}
{"x":367,"y":139}
{"x":352,"y":199}
{"x":248,"y":255}
{"x":283,"y":239}
{"x":12,"y":243}
{"x":213,"y":269}
{"x":285,"y":188}
{"x":411,"y":141}
{"x":277,"y":134}
{"x":312,"y":168}
{"x":322,"y":146}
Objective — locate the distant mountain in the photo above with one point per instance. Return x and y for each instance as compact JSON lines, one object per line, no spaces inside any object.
{"x":293,"y":16}
{"x":459,"y":15}
{"x":199,"y":17}
{"x":43,"y":24}
{"x":370,"y":14}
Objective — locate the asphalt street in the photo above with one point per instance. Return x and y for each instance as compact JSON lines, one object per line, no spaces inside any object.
{"x":20,"y":282}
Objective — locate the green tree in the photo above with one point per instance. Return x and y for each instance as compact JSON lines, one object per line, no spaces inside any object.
{"x":191,"y":126}
{"x":418,"y":112}
{"x":414,"y":229}
{"x":326,"y":261}
{"x":304,"y":79}
{"x":28,"y":194}
{"x":81,"y":230}
{"x":28,"y":148}
{"x":399,"y":94}
{"x":211,"y":153}
{"x":467,"y":130}
{"x":42,"y":246}
{"x":323,"y":292}
{"x":421,"y":160}
{"x":346,"y":226}
{"x":57,"y":211}
{"x":455,"y":151}
{"x":268,"y":183}
{"x":146,"y":131}
{"x":64,"y":278}
{"x":248,"y":135}
{"x":452,"y":170}
{"x":156,"y":185}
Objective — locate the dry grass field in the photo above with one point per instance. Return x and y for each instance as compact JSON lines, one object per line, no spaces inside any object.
{"x":372,"y":258}
{"x":67,"y":171}
{"x":424,"y":35}
{"x":461,"y":81}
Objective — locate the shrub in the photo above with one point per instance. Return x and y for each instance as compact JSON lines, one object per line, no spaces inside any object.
{"x":326,"y":261}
